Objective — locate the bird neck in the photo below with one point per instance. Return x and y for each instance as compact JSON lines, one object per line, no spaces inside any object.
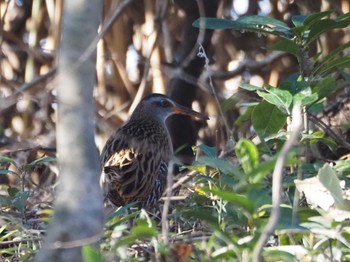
{"x":148,"y":127}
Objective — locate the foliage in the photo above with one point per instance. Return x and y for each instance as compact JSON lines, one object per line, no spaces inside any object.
{"x":230,"y":200}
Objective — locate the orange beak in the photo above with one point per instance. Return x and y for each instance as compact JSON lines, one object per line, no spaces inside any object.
{"x":182,"y":110}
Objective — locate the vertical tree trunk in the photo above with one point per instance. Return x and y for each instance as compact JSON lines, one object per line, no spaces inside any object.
{"x":78,"y":217}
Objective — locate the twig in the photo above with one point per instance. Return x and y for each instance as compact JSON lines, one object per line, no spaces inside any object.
{"x":165,"y":225}
{"x":277,"y":177}
{"x":19,"y":241}
{"x":74,"y":243}
{"x":245,"y":64}
{"x":7,"y":102}
{"x":104,"y":29}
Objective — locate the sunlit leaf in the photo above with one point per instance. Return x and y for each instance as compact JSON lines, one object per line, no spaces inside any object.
{"x":280,"y":98}
{"x":91,"y":254}
{"x":247,"y":154}
{"x":329,"y":180}
{"x":250,"y":87}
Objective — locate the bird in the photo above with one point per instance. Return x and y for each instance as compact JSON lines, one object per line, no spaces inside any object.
{"x":136,"y":156}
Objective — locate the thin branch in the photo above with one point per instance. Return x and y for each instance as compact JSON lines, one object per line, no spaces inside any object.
{"x":165,"y":225}
{"x":9,"y":101}
{"x":19,"y":241}
{"x":104,"y":29}
{"x":277,"y":177}
{"x":245,"y":64}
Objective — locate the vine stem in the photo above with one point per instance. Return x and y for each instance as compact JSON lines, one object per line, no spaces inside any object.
{"x":277,"y":178}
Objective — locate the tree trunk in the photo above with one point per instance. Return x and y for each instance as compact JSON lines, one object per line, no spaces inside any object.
{"x":78,"y":215}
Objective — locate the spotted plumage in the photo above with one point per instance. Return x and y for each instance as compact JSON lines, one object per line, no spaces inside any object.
{"x":135,"y":158}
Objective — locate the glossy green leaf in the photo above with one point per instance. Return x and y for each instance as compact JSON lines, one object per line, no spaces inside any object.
{"x":324,"y":26}
{"x":91,"y":254}
{"x":259,"y":24}
{"x":298,"y":20}
{"x":267,"y":119}
{"x":282,"y":99}
{"x":314,"y":18}
{"x":288,"y":46}
{"x":247,"y":154}
{"x":329,"y":180}
{"x":250,"y":87}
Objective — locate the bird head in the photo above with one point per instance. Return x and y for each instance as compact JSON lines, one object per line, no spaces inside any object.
{"x":161,"y":107}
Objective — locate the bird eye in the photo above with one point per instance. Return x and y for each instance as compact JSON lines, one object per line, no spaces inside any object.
{"x":165,"y":103}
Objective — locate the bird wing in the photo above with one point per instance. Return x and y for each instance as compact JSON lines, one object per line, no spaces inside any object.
{"x":127,"y":171}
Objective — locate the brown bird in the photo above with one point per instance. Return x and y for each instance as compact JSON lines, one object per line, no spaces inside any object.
{"x":135,"y":158}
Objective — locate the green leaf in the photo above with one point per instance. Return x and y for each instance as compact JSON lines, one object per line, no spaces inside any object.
{"x":319,"y":136}
{"x":267,"y":119}
{"x":327,"y":86}
{"x":5,"y":159}
{"x":228,"y":104}
{"x":250,"y":87}
{"x":279,"y":255}
{"x":335,"y":65}
{"x":294,"y":84}
{"x":329,"y":180}
{"x":324,"y":26}
{"x":20,"y":201}
{"x":143,"y":230}
{"x":234,"y":198}
{"x":288,"y":46}
{"x":204,"y":215}
{"x":7,"y":172}
{"x":91,"y":254}
{"x":298,"y":20}
{"x":5,"y":201}
{"x":259,"y":24}
{"x":280,"y":98}
{"x":262,"y":170}
{"x":305,"y":99}
{"x":247,"y":154}
{"x":208,"y":150}
{"x":314,"y":18}
{"x":221,"y":164}
{"x":45,"y":159}
{"x":332,"y":55}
